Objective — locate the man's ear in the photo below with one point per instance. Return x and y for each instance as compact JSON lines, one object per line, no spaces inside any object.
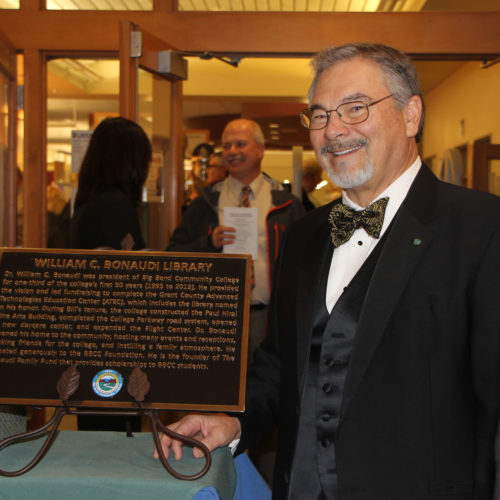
{"x":413,"y":113}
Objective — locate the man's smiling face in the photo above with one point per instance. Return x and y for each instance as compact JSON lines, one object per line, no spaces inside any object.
{"x":241,"y":152}
{"x":370,"y":154}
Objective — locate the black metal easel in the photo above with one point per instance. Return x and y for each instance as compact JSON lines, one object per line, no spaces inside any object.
{"x":138,"y":386}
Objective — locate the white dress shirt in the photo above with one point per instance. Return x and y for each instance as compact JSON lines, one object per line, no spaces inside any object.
{"x":260,"y":198}
{"x":349,"y":257}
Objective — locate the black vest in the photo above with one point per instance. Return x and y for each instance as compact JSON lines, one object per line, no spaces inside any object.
{"x":314,"y":469}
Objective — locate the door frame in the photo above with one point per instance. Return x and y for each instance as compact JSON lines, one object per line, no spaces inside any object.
{"x":147,"y":58}
{"x":482,"y":151}
{"x":8,"y":68}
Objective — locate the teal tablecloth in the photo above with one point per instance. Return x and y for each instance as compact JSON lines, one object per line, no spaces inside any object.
{"x":12,"y":420}
{"x":109,"y":465}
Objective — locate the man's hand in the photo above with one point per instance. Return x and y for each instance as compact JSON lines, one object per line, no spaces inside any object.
{"x":223,"y":235}
{"x":213,"y":431}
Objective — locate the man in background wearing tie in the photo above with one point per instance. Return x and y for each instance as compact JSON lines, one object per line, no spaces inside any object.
{"x":202,"y":227}
{"x":382,"y":366}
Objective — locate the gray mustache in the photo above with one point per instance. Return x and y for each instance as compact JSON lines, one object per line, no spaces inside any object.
{"x":236,"y":157}
{"x":335,"y":146}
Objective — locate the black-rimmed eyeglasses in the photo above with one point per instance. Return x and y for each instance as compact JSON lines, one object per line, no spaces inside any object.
{"x":351,"y":113}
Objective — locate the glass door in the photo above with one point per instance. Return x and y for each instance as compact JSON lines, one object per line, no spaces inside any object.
{"x":151,"y":96}
{"x":81,"y":91}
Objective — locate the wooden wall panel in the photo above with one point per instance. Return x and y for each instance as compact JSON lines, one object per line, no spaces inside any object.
{"x":10,"y":219}
{"x":287,"y":33}
{"x":128,"y":74}
{"x":8,"y":210}
{"x":165,"y":5}
{"x":174,"y":175}
{"x":35,"y":174}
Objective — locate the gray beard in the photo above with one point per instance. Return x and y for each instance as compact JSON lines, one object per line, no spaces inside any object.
{"x":350,"y":179}
{"x":346,"y":179}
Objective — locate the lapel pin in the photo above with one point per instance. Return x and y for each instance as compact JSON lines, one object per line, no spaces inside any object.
{"x":417,"y":242}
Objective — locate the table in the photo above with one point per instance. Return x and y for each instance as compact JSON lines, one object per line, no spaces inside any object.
{"x":249,"y":483}
{"x":108,"y":465}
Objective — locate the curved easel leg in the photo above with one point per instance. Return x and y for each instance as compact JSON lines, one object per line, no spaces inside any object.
{"x":155,"y":421}
{"x":54,"y":421}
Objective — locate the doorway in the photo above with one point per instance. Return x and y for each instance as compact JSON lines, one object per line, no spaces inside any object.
{"x":486,"y":165}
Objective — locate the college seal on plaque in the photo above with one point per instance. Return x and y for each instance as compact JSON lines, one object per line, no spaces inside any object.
{"x":107,"y":383}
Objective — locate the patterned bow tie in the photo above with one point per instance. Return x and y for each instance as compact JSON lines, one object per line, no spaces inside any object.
{"x":345,"y":220}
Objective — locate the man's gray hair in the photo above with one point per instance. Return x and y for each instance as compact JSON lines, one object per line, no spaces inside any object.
{"x":258,"y":135}
{"x":400,"y":73}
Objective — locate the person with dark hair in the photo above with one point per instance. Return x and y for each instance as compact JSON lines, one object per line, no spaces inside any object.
{"x":216,"y":170}
{"x":110,"y":183}
{"x":382,"y":366}
{"x":199,"y":171}
{"x":58,"y":218}
{"x":203,"y":150}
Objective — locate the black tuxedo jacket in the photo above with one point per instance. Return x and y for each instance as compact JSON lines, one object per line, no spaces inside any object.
{"x":422,"y":395}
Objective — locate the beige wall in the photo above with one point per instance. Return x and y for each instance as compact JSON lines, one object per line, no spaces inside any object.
{"x":464,"y":108}
{"x":286,"y":77}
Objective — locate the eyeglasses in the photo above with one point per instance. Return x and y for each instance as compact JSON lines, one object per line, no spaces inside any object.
{"x":351,"y":113}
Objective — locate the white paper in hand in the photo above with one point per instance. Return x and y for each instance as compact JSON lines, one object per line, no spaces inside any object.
{"x":244,"y":220}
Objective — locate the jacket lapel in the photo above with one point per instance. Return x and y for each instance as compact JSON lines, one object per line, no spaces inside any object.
{"x":315,"y":262}
{"x":407,"y":241}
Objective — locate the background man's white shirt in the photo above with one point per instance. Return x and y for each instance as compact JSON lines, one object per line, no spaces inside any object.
{"x":260,"y":198}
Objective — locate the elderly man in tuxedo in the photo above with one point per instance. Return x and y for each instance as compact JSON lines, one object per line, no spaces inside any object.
{"x":382,"y":367}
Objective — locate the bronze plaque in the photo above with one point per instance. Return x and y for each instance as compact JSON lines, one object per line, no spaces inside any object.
{"x":181,"y":318}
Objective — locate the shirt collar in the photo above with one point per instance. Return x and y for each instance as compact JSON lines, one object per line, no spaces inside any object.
{"x":396,"y":192}
{"x":255,"y":185}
